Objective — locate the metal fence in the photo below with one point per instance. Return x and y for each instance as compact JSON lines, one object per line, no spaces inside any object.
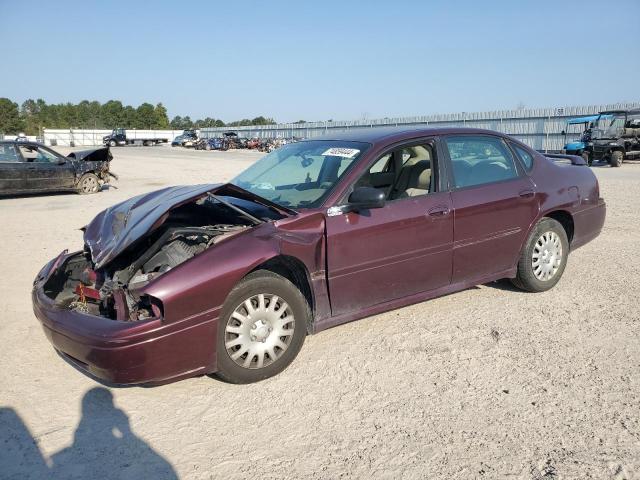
{"x":80,"y":137}
{"x":539,"y":128}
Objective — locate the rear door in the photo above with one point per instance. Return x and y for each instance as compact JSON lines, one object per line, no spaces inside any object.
{"x":494,"y":204}
{"x":402,"y":249}
{"x":13,"y":172}
{"x":46,"y":170}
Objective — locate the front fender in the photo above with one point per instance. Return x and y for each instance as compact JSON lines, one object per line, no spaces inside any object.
{"x":202,"y":283}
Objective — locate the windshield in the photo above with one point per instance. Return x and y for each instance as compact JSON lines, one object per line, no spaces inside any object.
{"x":615,"y":124}
{"x":609,"y":126}
{"x":300,"y":175}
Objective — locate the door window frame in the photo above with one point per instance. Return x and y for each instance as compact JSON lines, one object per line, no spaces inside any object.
{"x":39,"y":147}
{"x":447,"y":158}
{"x":19,"y":158}
{"x":439,"y":184}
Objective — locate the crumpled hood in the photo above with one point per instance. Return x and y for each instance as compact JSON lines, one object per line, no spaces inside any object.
{"x":119,"y":226}
{"x":95,"y":155}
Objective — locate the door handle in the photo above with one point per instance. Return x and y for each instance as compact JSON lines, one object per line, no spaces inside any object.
{"x":526,"y":193}
{"x":438,"y":211}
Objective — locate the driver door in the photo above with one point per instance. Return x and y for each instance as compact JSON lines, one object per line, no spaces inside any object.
{"x":403,"y":249}
{"x":46,"y":170}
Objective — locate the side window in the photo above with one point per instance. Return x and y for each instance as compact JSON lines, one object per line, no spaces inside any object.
{"x":383,"y":164}
{"x":32,"y":153}
{"x":415,"y":177}
{"x":525,"y":156}
{"x":479,"y":160}
{"x":8,"y":154}
{"x":402,"y":173}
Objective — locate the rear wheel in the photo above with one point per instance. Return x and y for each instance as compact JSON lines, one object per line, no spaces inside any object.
{"x":261,"y":329}
{"x":88,"y":183}
{"x":617,"y":158}
{"x":543,"y":258}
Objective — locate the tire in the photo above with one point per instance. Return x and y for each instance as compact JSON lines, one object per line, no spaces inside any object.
{"x":617,"y":157}
{"x":542,"y":244}
{"x":88,"y":183}
{"x":113,"y":143}
{"x":207,"y":147}
{"x":587,"y":158}
{"x":260,"y":289}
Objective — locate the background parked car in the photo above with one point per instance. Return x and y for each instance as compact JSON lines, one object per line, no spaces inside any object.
{"x":29,"y":167}
{"x":187,"y":139}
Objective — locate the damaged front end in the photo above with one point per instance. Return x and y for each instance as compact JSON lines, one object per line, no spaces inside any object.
{"x":117,"y":290}
{"x":95,"y":161}
{"x":131,"y":244}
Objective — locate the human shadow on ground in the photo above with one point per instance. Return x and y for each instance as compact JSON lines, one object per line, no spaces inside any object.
{"x":103,"y":447}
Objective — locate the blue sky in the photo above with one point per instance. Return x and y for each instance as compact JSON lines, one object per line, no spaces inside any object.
{"x":319,"y":60}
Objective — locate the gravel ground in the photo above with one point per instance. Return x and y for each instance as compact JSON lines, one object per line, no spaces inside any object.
{"x":486,"y":383}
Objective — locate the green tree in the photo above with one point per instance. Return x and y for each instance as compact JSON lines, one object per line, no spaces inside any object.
{"x":160,"y":117}
{"x":145,"y":116}
{"x":112,"y":114}
{"x":32,"y":116}
{"x":176,"y":122}
{"x":129,"y":118}
{"x":10,"y":121}
{"x":262,"y":121}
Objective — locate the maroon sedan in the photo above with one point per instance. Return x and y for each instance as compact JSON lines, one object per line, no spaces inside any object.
{"x":230,"y":278}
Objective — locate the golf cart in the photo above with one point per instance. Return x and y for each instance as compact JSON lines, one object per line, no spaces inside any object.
{"x":583,"y":147}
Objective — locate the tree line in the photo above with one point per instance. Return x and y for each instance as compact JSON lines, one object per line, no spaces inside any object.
{"x":34,"y":115}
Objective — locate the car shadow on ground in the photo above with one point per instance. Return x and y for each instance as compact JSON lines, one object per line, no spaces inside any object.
{"x":506,"y":285}
{"x":104,"y":446}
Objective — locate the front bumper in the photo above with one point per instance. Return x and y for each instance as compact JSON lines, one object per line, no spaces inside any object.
{"x":145,"y":352}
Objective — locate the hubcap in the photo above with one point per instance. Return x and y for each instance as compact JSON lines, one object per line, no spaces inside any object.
{"x":259,"y":331}
{"x":89,"y":184}
{"x":547,"y":256}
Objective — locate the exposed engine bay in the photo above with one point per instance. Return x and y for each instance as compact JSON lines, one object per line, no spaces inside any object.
{"x":113,"y":291}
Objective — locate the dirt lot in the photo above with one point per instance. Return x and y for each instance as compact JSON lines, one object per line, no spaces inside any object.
{"x":486,"y":383}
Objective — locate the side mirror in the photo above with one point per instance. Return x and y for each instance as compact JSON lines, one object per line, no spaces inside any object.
{"x":365,"y":198}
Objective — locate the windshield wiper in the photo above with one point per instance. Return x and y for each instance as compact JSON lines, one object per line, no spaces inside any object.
{"x":245,"y":214}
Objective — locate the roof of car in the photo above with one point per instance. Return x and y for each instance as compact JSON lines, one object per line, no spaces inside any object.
{"x":21,"y":142}
{"x":633,"y":111}
{"x":391,"y":134}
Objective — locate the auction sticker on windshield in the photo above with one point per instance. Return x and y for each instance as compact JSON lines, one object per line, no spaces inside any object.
{"x":341,"y":152}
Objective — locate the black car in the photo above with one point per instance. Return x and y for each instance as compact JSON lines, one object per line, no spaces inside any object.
{"x":29,"y":167}
{"x":188,"y":138}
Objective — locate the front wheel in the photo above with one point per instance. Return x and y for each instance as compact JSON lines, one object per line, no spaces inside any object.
{"x":88,"y":183}
{"x":543,"y":258}
{"x":112,"y":143}
{"x":262,"y":328}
